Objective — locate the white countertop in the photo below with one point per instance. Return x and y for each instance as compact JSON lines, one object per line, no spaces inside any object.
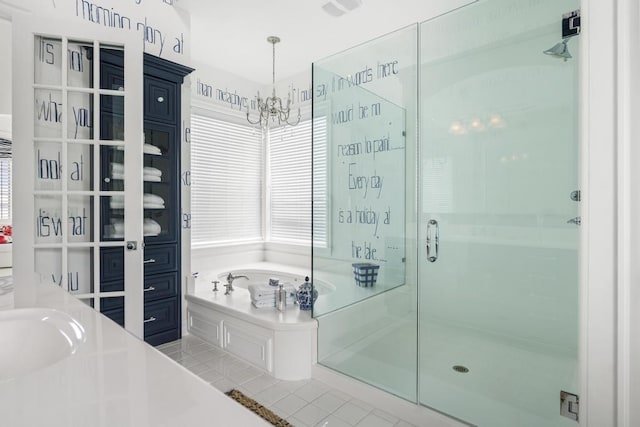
{"x":113,"y":380}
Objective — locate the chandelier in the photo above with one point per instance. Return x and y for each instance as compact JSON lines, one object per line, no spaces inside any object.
{"x":271,"y":108}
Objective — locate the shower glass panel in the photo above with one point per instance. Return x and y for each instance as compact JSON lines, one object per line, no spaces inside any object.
{"x":498,"y":307}
{"x":364,"y":131}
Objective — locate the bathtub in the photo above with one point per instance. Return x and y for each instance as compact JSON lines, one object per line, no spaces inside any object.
{"x":258,"y":276}
{"x":281,"y":343}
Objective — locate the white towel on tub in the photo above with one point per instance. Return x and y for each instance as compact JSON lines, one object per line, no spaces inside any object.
{"x":265,"y":291}
{"x":270,"y":303}
{"x":257,"y":291}
{"x":291,"y":295}
{"x":263,"y":304}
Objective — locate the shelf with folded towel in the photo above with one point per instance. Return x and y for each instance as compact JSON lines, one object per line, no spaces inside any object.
{"x":146,"y":149}
{"x":150,"y":228}
{"x":151,"y":150}
{"x":152,"y":201}
{"x":149,"y":201}
{"x":149,"y":173}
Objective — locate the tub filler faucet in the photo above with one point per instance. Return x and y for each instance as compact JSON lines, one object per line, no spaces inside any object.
{"x":229,"y":284}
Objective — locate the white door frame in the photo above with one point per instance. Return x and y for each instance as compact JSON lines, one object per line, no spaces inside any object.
{"x":608,"y":337}
{"x":628,"y":233}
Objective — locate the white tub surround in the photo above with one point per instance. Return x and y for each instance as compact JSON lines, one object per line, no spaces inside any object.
{"x":281,"y":343}
{"x":112,"y":379}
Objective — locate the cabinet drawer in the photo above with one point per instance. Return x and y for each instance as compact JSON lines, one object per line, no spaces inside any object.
{"x":111,"y":264}
{"x":161,"y":316}
{"x":160,"y":286}
{"x":159,"y":100}
{"x":253,"y":347}
{"x":160,"y":259}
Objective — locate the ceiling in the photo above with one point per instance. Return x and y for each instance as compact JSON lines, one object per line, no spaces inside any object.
{"x":231,"y":35}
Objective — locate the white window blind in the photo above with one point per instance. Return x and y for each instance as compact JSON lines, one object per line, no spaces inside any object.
{"x":290,"y":183}
{"x":320,"y":182}
{"x":227,"y":174}
{"x":5,"y":188}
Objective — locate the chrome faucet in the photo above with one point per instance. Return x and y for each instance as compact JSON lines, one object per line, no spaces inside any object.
{"x":229,"y":284}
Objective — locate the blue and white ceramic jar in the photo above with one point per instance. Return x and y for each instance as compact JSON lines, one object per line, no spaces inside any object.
{"x":306,"y":295}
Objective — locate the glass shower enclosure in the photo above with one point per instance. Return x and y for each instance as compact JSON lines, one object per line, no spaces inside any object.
{"x":446,"y":212}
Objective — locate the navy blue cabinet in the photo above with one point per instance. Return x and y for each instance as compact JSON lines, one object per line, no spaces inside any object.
{"x":161,"y":188}
{"x":162,"y":124}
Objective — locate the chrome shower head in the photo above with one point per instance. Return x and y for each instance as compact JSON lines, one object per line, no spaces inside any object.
{"x":559,"y":50}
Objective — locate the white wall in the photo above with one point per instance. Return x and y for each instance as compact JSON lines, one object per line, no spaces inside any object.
{"x":5,"y":68}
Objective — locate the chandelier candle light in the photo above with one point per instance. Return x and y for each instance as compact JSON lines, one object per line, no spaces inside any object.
{"x":271,"y":107}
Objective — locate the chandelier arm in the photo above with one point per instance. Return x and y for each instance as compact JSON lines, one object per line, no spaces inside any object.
{"x":296,"y":122}
{"x":252,"y":122}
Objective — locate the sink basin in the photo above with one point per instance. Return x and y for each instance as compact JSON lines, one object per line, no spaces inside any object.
{"x":32,"y":338}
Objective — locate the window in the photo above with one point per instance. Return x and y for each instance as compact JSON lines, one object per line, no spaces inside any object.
{"x":320,"y":182}
{"x":290,"y":183}
{"x":227,"y":174}
{"x":5,"y":179}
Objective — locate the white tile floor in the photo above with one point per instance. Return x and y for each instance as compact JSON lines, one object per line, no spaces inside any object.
{"x":306,"y":403}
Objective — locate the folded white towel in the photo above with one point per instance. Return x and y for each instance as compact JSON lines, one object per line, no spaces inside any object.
{"x":260,"y":291}
{"x":150,"y":201}
{"x":152,"y":198}
{"x":148,"y":170}
{"x":151,"y":227}
{"x":289,"y":292}
{"x":263,"y":304}
{"x":153,"y":206}
{"x":151,"y":149}
{"x":118,"y":227}
{"x":149,"y":173}
{"x":116,"y":202}
{"x":149,"y":178}
{"x":272,"y":302}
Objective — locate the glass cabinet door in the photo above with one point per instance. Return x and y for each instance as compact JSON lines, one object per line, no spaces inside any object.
{"x":159,"y":188}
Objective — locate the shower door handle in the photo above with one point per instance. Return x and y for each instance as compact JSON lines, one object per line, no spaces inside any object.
{"x":433,"y":240}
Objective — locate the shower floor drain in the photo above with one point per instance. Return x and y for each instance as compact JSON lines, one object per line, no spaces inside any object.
{"x":461,"y":369}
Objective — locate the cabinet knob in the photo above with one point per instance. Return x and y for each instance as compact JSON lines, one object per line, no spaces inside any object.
{"x":160,"y":99}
